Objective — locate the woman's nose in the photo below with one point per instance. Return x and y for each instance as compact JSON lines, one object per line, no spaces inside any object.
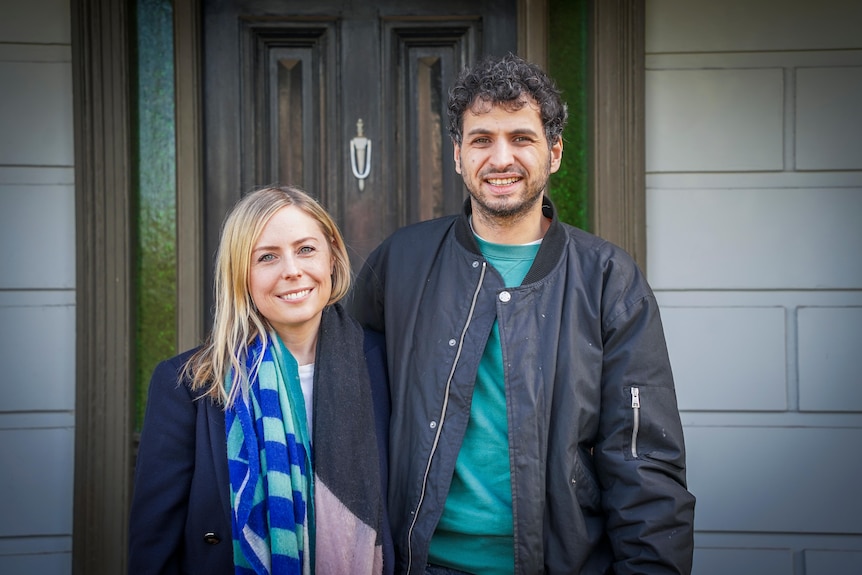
{"x":290,"y":267}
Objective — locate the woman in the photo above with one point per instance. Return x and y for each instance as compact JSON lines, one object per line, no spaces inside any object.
{"x":260,"y":451}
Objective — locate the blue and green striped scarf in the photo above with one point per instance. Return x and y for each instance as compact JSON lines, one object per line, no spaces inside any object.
{"x":269,"y":461}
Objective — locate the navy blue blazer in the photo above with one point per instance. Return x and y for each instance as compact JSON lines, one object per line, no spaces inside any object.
{"x":180,"y":517}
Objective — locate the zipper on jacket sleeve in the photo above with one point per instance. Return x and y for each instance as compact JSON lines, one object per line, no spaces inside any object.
{"x":636,"y":408}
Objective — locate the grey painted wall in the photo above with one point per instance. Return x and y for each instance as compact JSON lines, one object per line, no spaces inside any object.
{"x":37,"y":288}
{"x":754,"y":198}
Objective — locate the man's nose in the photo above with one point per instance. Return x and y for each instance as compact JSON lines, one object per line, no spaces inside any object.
{"x":501,"y":155}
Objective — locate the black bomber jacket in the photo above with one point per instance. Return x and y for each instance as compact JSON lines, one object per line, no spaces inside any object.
{"x":595,"y":440}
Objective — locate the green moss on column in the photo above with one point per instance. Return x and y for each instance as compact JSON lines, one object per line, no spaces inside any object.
{"x":567,"y":64}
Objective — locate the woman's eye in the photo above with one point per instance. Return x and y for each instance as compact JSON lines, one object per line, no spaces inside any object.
{"x":266,"y":258}
{"x":306,"y":250}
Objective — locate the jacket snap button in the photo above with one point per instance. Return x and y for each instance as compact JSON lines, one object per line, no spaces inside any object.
{"x":433,"y":425}
{"x":452,"y":343}
{"x":505,"y":296}
{"x":212,"y":539}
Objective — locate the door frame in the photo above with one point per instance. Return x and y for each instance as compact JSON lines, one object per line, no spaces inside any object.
{"x":101,"y":32}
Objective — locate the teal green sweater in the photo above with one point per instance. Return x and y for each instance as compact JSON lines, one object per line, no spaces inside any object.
{"x":475,"y":532}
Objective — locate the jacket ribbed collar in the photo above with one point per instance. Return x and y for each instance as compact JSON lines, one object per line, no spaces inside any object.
{"x":549,"y":253}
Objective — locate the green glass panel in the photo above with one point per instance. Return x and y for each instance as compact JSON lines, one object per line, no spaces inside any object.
{"x":567,"y":64}
{"x":155,"y":217}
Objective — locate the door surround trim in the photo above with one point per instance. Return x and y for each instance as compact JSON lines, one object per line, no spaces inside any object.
{"x":533,"y":31}
{"x":617,"y":117}
{"x":104,"y":290}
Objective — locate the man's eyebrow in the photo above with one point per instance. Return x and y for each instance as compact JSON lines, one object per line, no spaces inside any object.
{"x":522,"y":131}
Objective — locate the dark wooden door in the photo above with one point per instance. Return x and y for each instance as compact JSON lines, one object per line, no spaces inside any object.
{"x":287,"y":82}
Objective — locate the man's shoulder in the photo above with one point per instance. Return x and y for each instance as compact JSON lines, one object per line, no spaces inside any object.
{"x":414,"y":239}
{"x":422,"y":229}
{"x":591,"y":245}
{"x":583,"y":238}
{"x":604,"y":261}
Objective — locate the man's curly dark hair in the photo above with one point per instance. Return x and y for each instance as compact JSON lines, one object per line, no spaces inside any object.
{"x":506,"y":81}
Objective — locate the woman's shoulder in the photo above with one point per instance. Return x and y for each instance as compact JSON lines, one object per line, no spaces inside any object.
{"x":178,"y":362}
{"x":172,"y":371}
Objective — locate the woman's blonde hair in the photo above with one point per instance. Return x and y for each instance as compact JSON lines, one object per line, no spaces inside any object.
{"x":236,"y":321}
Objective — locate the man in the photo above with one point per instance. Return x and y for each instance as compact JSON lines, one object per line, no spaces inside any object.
{"x":534,"y":422}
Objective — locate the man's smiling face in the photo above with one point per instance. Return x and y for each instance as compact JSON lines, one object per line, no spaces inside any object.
{"x":505,"y":159}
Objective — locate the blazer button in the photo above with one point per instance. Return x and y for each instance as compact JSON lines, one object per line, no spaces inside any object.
{"x":212,"y":539}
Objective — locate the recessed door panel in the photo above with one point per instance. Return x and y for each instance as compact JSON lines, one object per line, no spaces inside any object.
{"x":344,"y":99}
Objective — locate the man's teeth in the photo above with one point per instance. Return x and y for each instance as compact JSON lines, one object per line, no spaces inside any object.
{"x":296,"y":295}
{"x":502,"y":181}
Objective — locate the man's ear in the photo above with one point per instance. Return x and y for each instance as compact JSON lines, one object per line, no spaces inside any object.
{"x":557,"y":154}
{"x":457,"y":156}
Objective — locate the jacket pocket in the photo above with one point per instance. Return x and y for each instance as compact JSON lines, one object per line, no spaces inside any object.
{"x":587,"y":490}
{"x":653,"y":428}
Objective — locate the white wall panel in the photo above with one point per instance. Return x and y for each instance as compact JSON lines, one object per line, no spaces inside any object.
{"x":714,"y":120}
{"x":37,"y":237}
{"x":36,"y":113}
{"x":830,"y":342}
{"x":727,"y":359}
{"x":36,"y":481}
{"x":742,"y":561}
{"x":35,"y":21}
{"x":746,"y":25}
{"x":43,"y":564}
{"x":819,"y":562}
{"x":38,"y":362}
{"x":828,"y":122}
{"x":775,"y":479}
{"x":754,"y":239}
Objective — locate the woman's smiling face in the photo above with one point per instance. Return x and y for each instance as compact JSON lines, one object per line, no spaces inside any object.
{"x":290,"y":277}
